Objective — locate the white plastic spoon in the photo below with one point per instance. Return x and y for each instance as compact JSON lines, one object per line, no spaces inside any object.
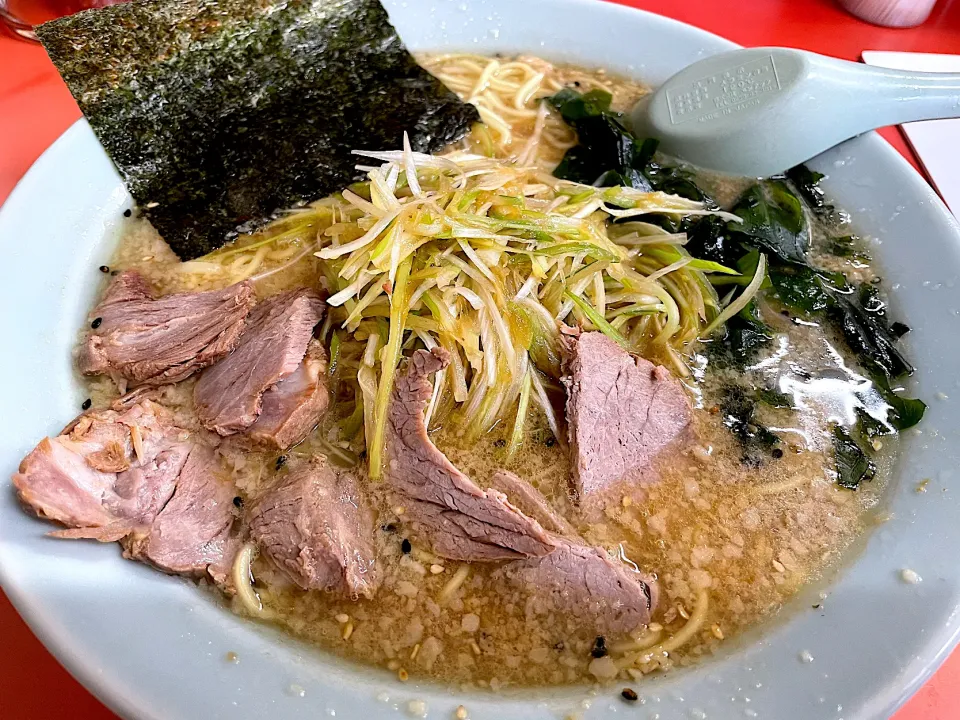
{"x":760,"y":111}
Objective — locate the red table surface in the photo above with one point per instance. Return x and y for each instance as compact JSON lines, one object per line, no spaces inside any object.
{"x":35,"y":108}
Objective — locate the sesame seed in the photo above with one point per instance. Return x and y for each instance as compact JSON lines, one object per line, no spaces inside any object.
{"x":599,"y":649}
{"x":778,"y":566}
{"x":629,"y":694}
{"x":717,"y":632}
{"x":403,"y":675}
{"x":85,"y":405}
{"x":461,"y":713}
{"x":105,"y":269}
{"x":436,"y":569}
{"x":342,"y":618}
{"x":627,"y":501}
{"x":406,"y":547}
{"x":238,"y":502}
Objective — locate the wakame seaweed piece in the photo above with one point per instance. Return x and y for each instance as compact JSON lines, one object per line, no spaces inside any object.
{"x":853,"y":465}
{"x":868,"y":337}
{"x":775,"y":398}
{"x":846,"y":246}
{"x":800,"y":288}
{"x":746,"y":335}
{"x":574,"y":106}
{"x":870,"y":427}
{"x":709,"y":239}
{"x":739,"y":415}
{"x":675,"y":180}
{"x":899,"y":329}
{"x":773,"y":220}
{"x":220,"y":114}
{"x":903,"y":412}
{"x":608,"y":154}
{"x":807,"y":183}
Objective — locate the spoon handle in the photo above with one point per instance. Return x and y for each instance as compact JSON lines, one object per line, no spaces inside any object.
{"x":881,"y":96}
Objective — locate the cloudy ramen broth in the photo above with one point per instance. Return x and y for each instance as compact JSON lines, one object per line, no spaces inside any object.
{"x":729,"y":541}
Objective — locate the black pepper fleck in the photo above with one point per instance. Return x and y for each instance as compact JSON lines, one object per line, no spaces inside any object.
{"x":500,"y":443}
{"x":96,"y":323}
{"x":128,"y":212}
{"x":281,"y":461}
{"x":576,"y":83}
{"x":629,"y":694}
{"x":104,"y":269}
{"x":599,"y":647}
{"x":777,"y":453}
{"x":559,"y":646}
{"x":785,"y":313}
{"x":114,"y":273}
{"x":550,"y":441}
{"x":389,"y":527}
{"x":406,"y":547}
{"x":238,"y":502}
{"x":86,"y":404}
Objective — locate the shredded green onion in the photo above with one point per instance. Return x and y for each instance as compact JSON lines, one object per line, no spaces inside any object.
{"x":388,"y":367}
{"x":598,"y":320}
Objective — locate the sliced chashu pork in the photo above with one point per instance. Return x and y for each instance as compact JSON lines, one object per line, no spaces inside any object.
{"x":446,"y":509}
{"x":531,"y":501}
{"x":583,"y":584}
{"x":142,"y":340}
{"x":230,"y":396}
{"x":292,"y":407}
{"x":192,"y":533}
{"x":622,"y":411}
{"x":317,"y":528}
{"x":134,"y":476}
{"x":106,"y":467}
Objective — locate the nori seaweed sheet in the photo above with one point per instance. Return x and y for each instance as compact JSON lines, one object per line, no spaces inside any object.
{"x":220,"y":113}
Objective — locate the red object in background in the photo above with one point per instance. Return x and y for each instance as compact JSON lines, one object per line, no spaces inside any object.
{"x":38,"y":11}
{"x":35,"y":108}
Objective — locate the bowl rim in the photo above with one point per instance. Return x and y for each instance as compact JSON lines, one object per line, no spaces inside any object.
{"x":63,"y":642}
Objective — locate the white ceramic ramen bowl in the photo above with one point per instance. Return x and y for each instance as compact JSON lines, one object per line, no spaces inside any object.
{"x":153,"y":646}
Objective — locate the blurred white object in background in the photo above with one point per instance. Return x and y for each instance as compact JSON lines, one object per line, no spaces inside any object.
{"x":891,"y":13}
